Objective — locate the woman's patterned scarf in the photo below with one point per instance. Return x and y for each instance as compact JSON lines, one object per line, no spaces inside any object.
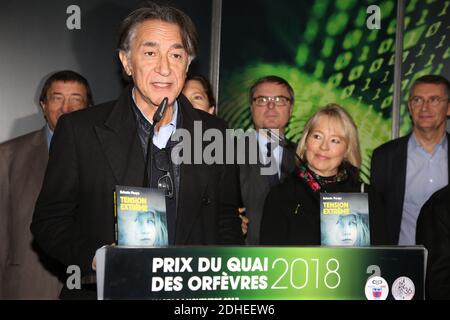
{"x":315,"y":182}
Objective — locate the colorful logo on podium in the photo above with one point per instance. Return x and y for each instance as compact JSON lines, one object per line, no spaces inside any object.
{"x":376,"y":288}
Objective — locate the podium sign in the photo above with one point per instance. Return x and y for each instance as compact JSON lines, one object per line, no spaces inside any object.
{"x":288,"y":273}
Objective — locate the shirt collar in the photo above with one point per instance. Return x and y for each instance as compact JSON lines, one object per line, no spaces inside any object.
{"x":173,"y":121}
{"x":415,"y":144}
{"x":263,"y":139}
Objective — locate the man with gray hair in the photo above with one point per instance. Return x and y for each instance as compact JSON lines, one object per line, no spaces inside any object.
{"x":112,"y":144}
{"x":408,"y":170}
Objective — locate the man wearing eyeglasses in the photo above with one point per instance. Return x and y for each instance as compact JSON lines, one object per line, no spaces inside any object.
{"x":408,"y":170}
{"x":25,"y":271}
{"x":271,"y":105}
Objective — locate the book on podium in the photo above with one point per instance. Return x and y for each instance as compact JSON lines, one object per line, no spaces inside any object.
{"x":140,"y":215}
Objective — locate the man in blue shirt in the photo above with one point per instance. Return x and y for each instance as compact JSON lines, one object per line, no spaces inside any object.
{"x":408,"y":170}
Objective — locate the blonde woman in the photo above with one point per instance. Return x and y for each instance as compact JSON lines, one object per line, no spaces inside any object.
{"x":330,"y":159}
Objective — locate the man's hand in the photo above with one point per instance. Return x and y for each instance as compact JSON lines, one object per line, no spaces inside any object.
{"x":94,"y":261}
{"x":244,"y":221}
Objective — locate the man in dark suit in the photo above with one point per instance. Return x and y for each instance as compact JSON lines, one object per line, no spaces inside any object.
{"x":25,"y":272}
{"x":108,"y":145}
{"x":433,"y":231}
{"x":272,"y":102}
{"x":408,"y":170}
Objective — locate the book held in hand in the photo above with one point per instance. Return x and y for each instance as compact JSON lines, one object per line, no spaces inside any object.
{"x":344,"y":219}
{"x":140,"y":217}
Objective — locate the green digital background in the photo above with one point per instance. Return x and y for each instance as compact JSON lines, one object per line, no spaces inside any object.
{"x":324,"y":49}
{"x":426,"y":47}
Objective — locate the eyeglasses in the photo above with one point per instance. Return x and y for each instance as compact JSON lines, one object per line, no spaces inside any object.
{"x":74,"y":100}
{"x":419,"y":101}
{"x":263,"y":101}
{"x":162,"y":162}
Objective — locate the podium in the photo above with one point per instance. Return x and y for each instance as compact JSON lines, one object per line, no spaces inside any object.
{"x":261,"y":273}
